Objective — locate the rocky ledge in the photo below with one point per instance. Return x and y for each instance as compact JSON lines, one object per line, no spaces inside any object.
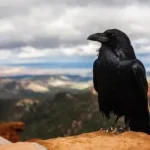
{"x":88,"y":141}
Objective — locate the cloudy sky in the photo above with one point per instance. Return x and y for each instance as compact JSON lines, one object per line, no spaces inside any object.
{"x":48,"y":36}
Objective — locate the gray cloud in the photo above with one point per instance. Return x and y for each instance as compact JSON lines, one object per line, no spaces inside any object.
{"x":12,"y":44}
{"x":59,"y":25}
{"x":97,"y":2}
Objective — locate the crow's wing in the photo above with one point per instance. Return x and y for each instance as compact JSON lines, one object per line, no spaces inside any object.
{"x":141,"y":123}
{"x":96,"y":73}
{"x":140,"y":78}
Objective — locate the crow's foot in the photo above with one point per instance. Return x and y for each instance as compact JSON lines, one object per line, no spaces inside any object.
{"x":110,"y":129}
{"x":120,"y":130}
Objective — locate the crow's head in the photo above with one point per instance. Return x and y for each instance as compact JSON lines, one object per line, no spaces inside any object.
{"x":111,"y":38}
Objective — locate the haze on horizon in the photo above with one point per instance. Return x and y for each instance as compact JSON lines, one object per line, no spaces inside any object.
{"x":48,"y":37}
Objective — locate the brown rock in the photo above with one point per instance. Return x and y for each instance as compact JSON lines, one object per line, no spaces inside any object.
{"x":100,"y":141}
{"x":33,"y":140}
{"x":88,"y":141}
{"x":11,"y":130}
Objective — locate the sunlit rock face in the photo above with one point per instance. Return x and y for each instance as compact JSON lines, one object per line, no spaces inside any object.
{"x":11,"y":130}
{"x":99,"y":140}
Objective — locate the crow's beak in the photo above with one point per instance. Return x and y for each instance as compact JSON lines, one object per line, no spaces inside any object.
{"x":100,"y":37}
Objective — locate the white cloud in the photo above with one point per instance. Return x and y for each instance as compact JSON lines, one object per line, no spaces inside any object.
{"x":34,"y":30}
{"x":5,"y":54}
{"x":30,"y":52}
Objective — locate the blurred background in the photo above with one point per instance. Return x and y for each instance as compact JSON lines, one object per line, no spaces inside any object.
{"x":46,"y":62}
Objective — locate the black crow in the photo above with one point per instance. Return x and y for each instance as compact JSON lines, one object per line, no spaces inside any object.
{"x":120,"y":80}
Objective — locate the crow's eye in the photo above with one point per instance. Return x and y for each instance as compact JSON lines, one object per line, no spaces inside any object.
{"x":110,"y":34}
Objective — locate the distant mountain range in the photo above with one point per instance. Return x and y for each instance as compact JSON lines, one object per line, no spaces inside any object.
{"x":26,"y":86}
{"x":77,"y":78}
{"x":37,"y":86}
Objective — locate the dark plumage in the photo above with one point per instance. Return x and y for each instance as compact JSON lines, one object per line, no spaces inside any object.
{"x":120,"y":80}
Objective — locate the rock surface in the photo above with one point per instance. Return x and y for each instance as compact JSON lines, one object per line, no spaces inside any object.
{"x":100,"y":141}
{"x":4,"y":141}
{"x":88,"y":141}
{"x":22,"y":146}
{"x":11,"y":130}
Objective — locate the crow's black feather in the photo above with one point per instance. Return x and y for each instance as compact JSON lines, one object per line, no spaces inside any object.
{"x":120,"y":79}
